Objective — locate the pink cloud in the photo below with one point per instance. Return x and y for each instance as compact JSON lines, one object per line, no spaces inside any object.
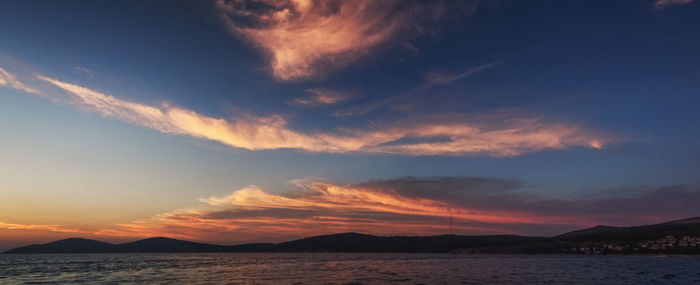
{"x":495,"y":135}
{"x":305,"y":38}
{"x":320,"y":208}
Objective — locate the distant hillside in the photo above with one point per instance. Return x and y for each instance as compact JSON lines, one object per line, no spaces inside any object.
{"x":355,"y":242}
{"x":71,"y":245}
{"x":79,"y":245}
{"x":161,"y":244}
{"x":676,"y":237}
{"x":346,"y":242}
{"x":686,"y":227}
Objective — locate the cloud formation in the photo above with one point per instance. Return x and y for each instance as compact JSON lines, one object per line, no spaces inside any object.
{"x":52,"y":228}
{"x":306,"y":37}
{"x":492,"y":135}
{"x":662,"y":4}
{"x":410,"y":205}
{"x":9,"y":80}
{"x":433,"y":77}
{"x":85,"y":70}
{"x":321,"y":97}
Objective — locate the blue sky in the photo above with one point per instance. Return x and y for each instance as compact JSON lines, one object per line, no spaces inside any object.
{"x":625,"y":74}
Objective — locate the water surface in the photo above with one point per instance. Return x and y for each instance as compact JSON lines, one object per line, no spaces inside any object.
{"x":345,"y":268}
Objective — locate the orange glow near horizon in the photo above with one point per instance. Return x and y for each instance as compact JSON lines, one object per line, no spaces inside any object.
{"x":253,"y":215}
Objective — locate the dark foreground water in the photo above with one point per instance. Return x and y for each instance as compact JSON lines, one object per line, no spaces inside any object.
{"x":345,"y":268}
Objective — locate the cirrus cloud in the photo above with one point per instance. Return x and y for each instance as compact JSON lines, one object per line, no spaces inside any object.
{"x":499,"y":134}
{"x":307,"y":37}
{"x":10,"y":80}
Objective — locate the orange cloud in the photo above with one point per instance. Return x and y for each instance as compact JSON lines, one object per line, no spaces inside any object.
{"x":251,"y":214}
{"x":340,"y":198}
{"x":252,"y":134}
{"x":307,"y":37}
{"x":498,"y":135}
{"x":415,"y":206}
{"x":411,"y":206}
{"x":51,"y":228}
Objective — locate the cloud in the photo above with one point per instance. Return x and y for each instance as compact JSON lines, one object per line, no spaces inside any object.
{"x":9,"y":80}
{"x":321,"y":97}
{"x":662,"y":4}
{"x":252,"y":133}
{"x":85,"y":70}
{"x":307,"y":37}
{"x":409,"y":205}
{"x":52,"y":228}
{"x":491,"y":135}
{"x":320,"y":208}
{"x":433,"y":78}
{"x":622,"y":206}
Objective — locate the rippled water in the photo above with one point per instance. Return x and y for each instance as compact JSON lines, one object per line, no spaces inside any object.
{"x":345,"y":268}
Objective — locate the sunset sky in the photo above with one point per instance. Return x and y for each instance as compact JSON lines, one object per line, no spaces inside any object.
{"x":266,"y":120}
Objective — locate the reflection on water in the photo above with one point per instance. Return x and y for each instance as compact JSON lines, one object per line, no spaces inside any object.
{"x":345,"y":268}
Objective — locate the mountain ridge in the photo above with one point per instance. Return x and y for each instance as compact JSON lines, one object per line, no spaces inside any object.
{"x":605,"y":239}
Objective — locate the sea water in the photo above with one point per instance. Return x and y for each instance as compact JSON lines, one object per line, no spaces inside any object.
{"x":345,"y":268}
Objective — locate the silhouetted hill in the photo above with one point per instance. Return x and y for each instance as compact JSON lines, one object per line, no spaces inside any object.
{"x":597,"y":230}
{"x":70,"y":245}
{"x":355,"y":242}
{"x":675,"y":237}
{"x":345,"y":242}
{"x":685,"y":227}
{"x":162,"y":244}
{"x":681,"y":236}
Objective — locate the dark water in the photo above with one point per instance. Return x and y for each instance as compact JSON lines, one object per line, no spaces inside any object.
{"x":345,"y":268}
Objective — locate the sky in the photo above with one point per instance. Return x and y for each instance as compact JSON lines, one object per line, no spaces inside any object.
{"x":234,"y":121}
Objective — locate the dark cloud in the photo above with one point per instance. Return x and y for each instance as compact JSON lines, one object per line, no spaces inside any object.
{"x":613,"y":206}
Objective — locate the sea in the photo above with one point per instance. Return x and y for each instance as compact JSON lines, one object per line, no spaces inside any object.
{"x":344,"y":268}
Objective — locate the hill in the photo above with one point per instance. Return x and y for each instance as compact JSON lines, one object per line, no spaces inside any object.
{"x":355,"y":242}
{"x":71,"y":245}
{"x":675,"y":237}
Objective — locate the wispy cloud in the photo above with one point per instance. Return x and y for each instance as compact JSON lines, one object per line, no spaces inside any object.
{"x":662,"y":4}
{"x":253,"y":133}
{"x":52,"y":228}
{"x":434,"y":77}
{"x":423,"y":206}
{"x":320,"y":208}
{"x":409,"y":205}
{"x":85,"y":70}
{"x":9,"y":80}
{"x":321,"y":97}
{"x":498,"y":134}
{"x":307,"y":37}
